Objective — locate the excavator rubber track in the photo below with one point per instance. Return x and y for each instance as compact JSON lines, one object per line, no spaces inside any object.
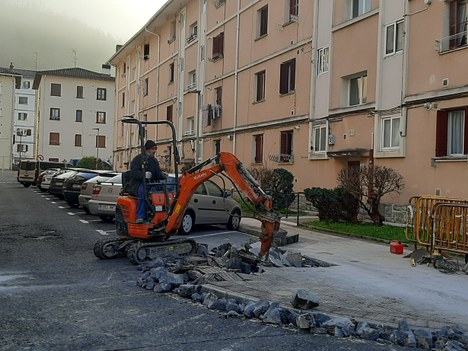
{"x":141,"y":251}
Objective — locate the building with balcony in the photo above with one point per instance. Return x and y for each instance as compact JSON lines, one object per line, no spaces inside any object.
{"x":18,"y":111}
{"x":309,"y":86}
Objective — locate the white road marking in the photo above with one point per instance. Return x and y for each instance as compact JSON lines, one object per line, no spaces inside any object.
{"x":102,"y":232}
{"x":83,"y":221}
{"x":71,"y":213}
{"x":61,"y":207}
{"x":214,"y":234}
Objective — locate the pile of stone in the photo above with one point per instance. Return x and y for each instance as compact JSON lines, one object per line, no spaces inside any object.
{"x":186,"y":277}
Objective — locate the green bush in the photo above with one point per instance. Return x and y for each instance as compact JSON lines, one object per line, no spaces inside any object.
{"x":278,"y":183}
{"x":88,"y":162}
{"x":333,"y":204}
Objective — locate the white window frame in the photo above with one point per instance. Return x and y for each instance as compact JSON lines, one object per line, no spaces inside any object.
{"x":394,"y":37}
{"x":363,"y":6}
{"x":361,"y":81}
{"x":22,"y":116}
{"x":459,"y":129}
{"x":54,"y":114}
{"x":323,"y":57}
{"x":390,"y":140}
{"x":319,"y":138}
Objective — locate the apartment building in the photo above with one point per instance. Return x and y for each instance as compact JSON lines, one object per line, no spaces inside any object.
{"x":309,"y":86}
{"x":17,"y":111}
{"x":75,"y":114}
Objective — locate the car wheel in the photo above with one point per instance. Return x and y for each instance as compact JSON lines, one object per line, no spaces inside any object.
{"x":187,"y":223}
{"x":234,"y":220}
{"x":86,"y":209}
{"x":120,"y":225}
{"x":106,"y":219}
{"x":26,"y":185}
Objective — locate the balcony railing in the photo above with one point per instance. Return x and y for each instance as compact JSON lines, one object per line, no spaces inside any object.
{"x":451,"y":42}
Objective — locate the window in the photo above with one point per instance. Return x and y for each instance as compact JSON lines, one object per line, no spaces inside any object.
{"x":293,"y":10}
{"x":169,"y":113}
{"x":192,"y":80}
{"x":286,"y":146}
{"x":101,"y":93}
{"x":218,"y":47}
{"x":193,"y":32}
{"x":123,"y":99}
{"x":146,"y":52}
{"x":171,"y":73}
{"x":145,"y":86}
{"x":358,"y":90}
{"x":217,"y":108}
{"x":172,"y":35}
{"x":26,"y":84}
{"x":258,"y":148}
{"x":79,"y":116}
{"x":394,"y":38}
{"x":55,"y":89}
{"x":100,"y":117}
{"x":217,"y":146}
{"x":100,"y":141}
{"x":23,"y":132}
{"x":359,"y":7}
{"x":54,"y":138}
{"x":23,"y":100}
{"x":79,"y":92}
{"x":458,"y":22}
{"x":452,"y":133}
{"x":260,"y":86}
{"x":287,"y":77}
{"x":390,"y":132}
{"x":190,"y":126}
{"x":22,"y":116}
{"x":55,"y":114}
{"x":78,"y":140}
{"x":320,"y":138}
{"x":21,"y":148}
{"x":262,"y":21}
{"x":323,"y":55}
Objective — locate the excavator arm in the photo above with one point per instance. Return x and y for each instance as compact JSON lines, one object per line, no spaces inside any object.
{"x":230,"y":165}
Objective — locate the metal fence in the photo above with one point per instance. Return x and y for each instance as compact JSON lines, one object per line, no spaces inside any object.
{"x":437,"y":222}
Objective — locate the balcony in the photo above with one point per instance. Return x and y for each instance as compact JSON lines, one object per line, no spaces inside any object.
{"x":452,"y":42}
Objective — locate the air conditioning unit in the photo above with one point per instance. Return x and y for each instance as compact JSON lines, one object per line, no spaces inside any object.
{"x":331,"y":139}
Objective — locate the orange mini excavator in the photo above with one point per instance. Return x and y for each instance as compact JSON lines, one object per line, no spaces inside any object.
{"x":167,"y":204}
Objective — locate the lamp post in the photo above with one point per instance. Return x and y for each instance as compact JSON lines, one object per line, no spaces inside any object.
{"x":97,"y":146}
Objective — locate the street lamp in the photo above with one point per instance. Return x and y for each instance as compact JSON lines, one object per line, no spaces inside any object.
{"x":97,"y":146}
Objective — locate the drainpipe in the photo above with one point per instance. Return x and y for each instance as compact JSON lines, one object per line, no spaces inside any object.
{"x":158,"y":72}
{"x":313,"y":85}
{"x":236,"y":77}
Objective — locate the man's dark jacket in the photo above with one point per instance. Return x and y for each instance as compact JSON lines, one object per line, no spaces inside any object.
{"x":138,"y":168}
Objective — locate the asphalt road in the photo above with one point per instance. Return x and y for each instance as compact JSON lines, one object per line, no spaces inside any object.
{"x":56,"y":295}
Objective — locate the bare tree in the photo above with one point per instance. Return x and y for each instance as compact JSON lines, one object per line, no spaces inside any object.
{"x":368,"y":184}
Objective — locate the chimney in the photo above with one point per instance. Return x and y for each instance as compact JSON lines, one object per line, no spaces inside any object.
{"x":106,"y":69}
{"x":11,"y":66}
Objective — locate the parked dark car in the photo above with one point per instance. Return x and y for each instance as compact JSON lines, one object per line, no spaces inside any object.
{"x":72,"y":185}
{"x":56,"y":184}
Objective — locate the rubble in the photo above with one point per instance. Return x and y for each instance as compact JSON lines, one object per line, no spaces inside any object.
{"x":186,"y":277}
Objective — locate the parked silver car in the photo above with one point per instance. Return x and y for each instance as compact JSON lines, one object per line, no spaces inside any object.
{"x":104,"y":198}
{"x":87,"y":189}
{"x":209,"y":204}
{"x":43,"y":181}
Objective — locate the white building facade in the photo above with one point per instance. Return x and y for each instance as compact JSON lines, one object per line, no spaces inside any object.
{"x":75,"y":114}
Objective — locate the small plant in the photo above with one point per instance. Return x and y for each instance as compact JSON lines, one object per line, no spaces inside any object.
{"x":88,"y":162}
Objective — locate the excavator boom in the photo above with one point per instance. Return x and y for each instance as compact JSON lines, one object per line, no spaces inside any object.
{"x":229,"y":165}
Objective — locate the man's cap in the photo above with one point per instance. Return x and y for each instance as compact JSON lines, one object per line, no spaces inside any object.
{"x":150,"y":144}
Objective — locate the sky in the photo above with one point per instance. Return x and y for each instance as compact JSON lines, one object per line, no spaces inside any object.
{"x":51,"y":34}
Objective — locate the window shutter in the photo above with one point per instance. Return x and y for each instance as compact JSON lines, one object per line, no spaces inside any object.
{"x":465,"y":144}
{"x":284,"y":79}
{"x":441,"y":133}
{"x":293,"y":75}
